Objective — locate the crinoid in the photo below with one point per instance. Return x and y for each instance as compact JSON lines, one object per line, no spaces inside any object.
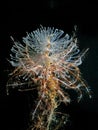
{"x":49,"y":60}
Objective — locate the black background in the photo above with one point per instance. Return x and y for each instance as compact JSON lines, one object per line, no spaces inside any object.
{"x":19,"y":17}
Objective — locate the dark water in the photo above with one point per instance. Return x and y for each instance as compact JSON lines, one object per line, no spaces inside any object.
{"x":17,"y":19}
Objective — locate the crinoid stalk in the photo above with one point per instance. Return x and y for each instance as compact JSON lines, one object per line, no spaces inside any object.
{"x":47,"y":61}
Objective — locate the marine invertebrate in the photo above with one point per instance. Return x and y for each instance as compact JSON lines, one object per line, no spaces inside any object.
{"x":49,"y":60}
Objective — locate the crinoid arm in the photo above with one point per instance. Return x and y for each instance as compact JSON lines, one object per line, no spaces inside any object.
{"x":47,"y":60}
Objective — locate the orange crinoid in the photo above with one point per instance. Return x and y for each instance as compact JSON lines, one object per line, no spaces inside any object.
{"x":49,"y":60}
